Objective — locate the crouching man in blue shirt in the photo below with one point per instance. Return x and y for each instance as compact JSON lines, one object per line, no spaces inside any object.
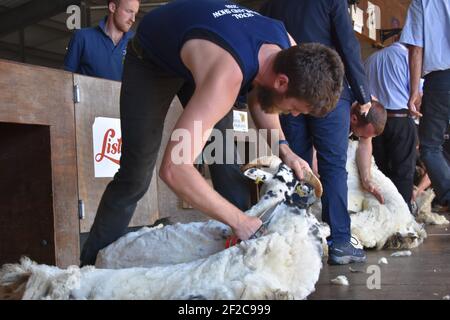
{"x":100,"y":51}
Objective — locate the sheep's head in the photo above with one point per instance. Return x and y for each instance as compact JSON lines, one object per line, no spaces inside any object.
{"x":406,"y":239}
{"x":399,"y":241}
{"x":269,"y":168}
{"x":280,"y":183}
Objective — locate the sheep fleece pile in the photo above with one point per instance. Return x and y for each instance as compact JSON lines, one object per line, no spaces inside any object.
{"x":285,"y":264}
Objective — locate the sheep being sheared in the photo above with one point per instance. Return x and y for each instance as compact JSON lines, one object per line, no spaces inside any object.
{"x":283,"y":264}
{"x":390,"y":225}
{"x":187,"y":242}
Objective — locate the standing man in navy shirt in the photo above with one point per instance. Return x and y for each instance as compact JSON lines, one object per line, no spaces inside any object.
{"x":100,"y":51}
{"x":327,"y":22}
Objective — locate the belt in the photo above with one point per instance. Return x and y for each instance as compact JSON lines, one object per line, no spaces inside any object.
{"x":397,"y":115}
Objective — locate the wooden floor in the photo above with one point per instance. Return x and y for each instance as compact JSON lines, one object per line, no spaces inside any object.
{"x":423,"y":275}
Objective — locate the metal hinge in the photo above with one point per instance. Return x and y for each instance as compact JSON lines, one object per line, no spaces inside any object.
{"x":76,"y":94}
{"x":81,"y":213}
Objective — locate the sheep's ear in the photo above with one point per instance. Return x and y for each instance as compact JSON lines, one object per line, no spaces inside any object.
{"x":258,"y":175}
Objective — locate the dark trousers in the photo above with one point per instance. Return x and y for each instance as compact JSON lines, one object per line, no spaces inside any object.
{"x":146,"y":93}
{"x":395,"y":153}
{"x":329,"y":135}
{"x":227,"y":179}
{"x":432,"y":128}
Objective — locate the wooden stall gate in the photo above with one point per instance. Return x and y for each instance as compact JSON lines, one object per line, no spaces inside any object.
{"x":38,"y":170}
{"x":47,"y":162}
{"x":99,"y":101}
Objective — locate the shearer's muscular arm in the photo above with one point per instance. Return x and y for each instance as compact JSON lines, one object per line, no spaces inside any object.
{"x":218,"y":80}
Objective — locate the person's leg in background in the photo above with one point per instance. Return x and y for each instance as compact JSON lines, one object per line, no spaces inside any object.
{"x":330,"y":138}
{"x":146,"y":94}
{"x":432,"y":128}
{"x":379,"y":150}
{"x":446,"y":146}
{"x":395,"y":154}
{"x":298,"y":135}
{"x":227,"y":178}
{"x":401,"y":148}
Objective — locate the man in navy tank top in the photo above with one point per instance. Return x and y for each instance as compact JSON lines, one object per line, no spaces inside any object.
{"x":222,"y":51}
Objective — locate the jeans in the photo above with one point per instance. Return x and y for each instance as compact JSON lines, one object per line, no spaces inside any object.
{"x":329,"y":135}
{"x":146,"y":94}
{"x":433,"y":126}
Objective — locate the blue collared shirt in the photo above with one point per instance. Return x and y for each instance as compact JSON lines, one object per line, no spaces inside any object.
{"x":427,"y":26}
{"x":92,"y":52}
{"x":388,"y":75}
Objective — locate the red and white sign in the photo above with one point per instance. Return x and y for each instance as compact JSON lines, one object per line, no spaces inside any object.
{"x":107,"y":142}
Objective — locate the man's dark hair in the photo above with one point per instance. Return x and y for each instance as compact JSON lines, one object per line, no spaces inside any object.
{"x":315,"y":74}
{"x":377,"y":116}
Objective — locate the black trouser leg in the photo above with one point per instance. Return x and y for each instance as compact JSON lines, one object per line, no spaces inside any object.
{"x":395,"y":154}
{"x":227,"y":178}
